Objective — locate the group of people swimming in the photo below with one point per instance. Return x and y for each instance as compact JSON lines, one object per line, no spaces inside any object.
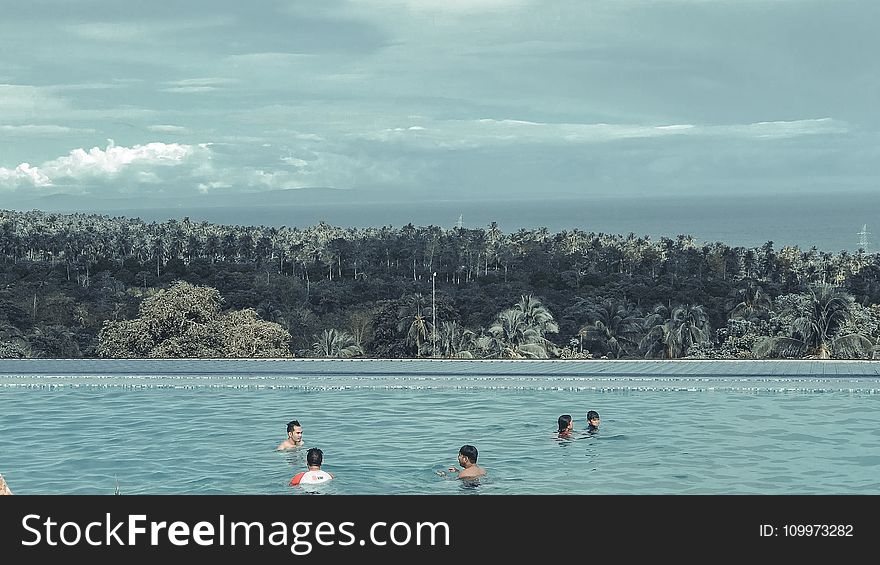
{"x":467,"y":455}
{"x":314,"y":474}
{"x":566,"y":427}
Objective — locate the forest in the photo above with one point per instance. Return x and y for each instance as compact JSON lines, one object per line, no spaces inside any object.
{"x":88,"y":285}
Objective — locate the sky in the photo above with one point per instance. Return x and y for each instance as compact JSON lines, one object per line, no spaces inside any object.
{"x":421,"y":100}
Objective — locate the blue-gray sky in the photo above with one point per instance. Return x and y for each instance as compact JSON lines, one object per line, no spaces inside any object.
{"x":425,"y":99}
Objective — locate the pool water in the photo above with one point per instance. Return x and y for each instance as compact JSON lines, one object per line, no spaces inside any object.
{"x":212,"y":429}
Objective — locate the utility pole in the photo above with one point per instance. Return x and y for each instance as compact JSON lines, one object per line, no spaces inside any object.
{"x":434,"y":313}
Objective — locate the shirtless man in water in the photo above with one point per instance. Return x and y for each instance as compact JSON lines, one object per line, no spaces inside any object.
{"x":467,"y":458}
{"x":294,"y":436}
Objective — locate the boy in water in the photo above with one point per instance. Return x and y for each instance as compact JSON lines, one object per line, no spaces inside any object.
{"x":565,"y":426}
{"x":592,"y":422}
{"x":294,"y":436}
{"x":467,"y":458}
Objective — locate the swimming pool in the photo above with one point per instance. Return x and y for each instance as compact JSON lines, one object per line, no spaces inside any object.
{"x":387,"y":427}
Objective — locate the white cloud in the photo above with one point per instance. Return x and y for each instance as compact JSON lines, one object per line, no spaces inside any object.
{"x":197,"y":84}
{"x":25,"y":103}
{"x":133,"y":31}
{"x":409,"y":153}
{"x":23,"y":174}
{"x":171,"y":168}
{"x":790,"y":129}
{"x":111,"y":31}
{"x":205,"y":81}
{"x":189,"y":89}
{"x":21,"y":101}
{"x":86,"y":86}
{"x":488,"y":132}
{"x":139,"y":163}
{"x":166,"y":128}
{"x":44,"y":129}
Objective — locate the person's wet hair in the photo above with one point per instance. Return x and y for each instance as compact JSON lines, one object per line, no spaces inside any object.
{"x":293,"y":424}
{"x":470,"y":452}
{"x":314,"y":457}
{"x":564,"y":421}
{"x":592,"y":415}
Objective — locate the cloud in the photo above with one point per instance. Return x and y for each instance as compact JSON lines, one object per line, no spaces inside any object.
{"x":197,"y":85}
{"x":21,"y":101}
{"x":173,"y":169}
{"x":142,"y":31}
{"x":189,"y":89}
{"x":418,"y":153}
{"x":165,"y":128}
{"x":26,"y":104}
{"x":111,"y":31}
{"x":45,"y":129}
{"x":789,"y":129}
{"x":23,"y":174}
{"x":489,"y":132}
{"x":139,"y":164}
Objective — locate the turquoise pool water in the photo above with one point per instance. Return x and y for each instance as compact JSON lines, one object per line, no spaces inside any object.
{"x":210,"y":427}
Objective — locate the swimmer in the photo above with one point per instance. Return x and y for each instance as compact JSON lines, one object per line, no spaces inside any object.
{"x":467,"y":458}
{"x":565,"y":426}
{"x":592,"y":422}
{"x":294,"y":437}
{"x":314,"y":460}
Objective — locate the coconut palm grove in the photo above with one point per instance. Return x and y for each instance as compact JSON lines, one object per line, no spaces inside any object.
{"x":84,"y":286}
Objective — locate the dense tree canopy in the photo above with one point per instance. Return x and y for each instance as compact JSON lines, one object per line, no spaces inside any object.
{"x":82,"y":285}
{"x":186,"y":321}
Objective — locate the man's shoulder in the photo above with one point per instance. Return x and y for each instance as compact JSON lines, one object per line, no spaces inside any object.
{"x":474,"y":471}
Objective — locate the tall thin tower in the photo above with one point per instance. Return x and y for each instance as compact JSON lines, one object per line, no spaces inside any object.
{"x":458,"y":223}
{"x":864,"y":237}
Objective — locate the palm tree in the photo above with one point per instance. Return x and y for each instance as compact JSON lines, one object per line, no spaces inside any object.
{"x":417,"y":327}
{"x":672,"y":336}
{"x":516,"y":338}
{"x":536,"y":315}
{"x":417,"y":331}
{"x":690,"y":326}
{"x":336,"y":344}
{"x":753,"y":303}
{"x":616,"y":325}
{"x":818,"y":330}
{"x":487,"y":346}
{"x":456,"y":341}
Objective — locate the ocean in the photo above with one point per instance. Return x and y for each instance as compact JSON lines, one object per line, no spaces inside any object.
{"x":831,"y":222}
